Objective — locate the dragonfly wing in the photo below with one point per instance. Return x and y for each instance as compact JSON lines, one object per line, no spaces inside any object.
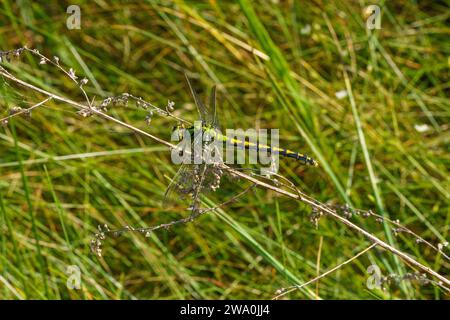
{"x":189,"y":182}
{"x":202,"y":110}
{"x":212,"y":105}
{"x":197,"y":187}
{"x":178,"y":183}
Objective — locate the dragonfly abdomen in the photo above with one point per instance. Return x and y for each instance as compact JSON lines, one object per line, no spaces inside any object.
{"x":295,"y":155}
{"x":281,"y":151}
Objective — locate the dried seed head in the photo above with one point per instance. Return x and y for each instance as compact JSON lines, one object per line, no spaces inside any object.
{"x":170,"y":105}
{"x":14,"y":110}
{"x":96,"y":246}
{"x":149,"y":117}
{"x":8,"y":55}
{"x":315,"y":216}
{"x":280,"y":291}
{"x":72,"y":74}
{"x":85,"y":112}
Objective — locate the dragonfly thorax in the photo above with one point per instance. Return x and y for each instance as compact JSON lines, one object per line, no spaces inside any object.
{"x":182,"y":130}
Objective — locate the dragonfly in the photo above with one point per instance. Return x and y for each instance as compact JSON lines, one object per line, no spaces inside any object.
{"x":193,"y":178}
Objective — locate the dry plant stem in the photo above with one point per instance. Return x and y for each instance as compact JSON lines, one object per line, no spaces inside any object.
{"x":348,"y":223}
{"x":290,"y":185}
{"x":319,"y":255}
{"x":290,"y":289}
{"x":191,"y":218}
{"x":25,"y":110}
{"x":330,"y":212}
{"x":57,"y":65}
{"x":406,"y":230}
{"x":83,"y":107}
{"x":166,"y":112}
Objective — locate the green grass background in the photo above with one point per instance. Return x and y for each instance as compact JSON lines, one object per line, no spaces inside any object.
{"x":279,"y":64}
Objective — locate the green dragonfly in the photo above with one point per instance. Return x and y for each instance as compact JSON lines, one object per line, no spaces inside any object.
{"x":193,"y":178}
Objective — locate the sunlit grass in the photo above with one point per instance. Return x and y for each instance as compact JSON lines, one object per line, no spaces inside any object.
{"x":383,"y":147}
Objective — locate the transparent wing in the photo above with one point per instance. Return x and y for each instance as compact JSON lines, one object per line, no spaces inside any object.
{"x":205,"y":114}
{"x":212,"y":105}
{"x":179,"y":183}
{"x":200,"y":175}
{"x":190,"y":182}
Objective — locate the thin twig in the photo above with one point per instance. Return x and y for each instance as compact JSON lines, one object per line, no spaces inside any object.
{"x":192,"y":217}
{"x":27,"y":110}
{"x":400,"y":228}
{"x":55,"y":63}
{"x":285,"y":291}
